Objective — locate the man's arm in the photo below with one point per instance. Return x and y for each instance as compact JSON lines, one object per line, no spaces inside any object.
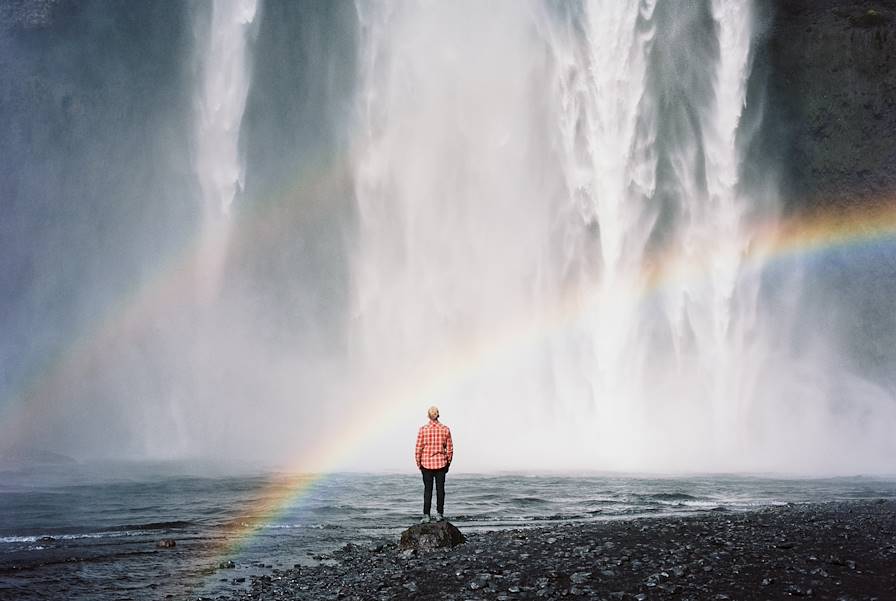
{"x":418,"y":449}
{"x":449,"y":447}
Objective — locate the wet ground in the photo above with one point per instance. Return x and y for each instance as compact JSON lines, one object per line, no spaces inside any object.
{"x":840,"y":550}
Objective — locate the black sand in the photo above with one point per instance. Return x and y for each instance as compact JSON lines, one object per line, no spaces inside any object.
{"x":844,"y":550}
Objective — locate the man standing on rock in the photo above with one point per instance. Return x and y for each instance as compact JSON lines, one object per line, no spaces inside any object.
{"x":433,"y":453}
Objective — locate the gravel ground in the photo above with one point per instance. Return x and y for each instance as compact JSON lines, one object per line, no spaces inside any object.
{"x":828,"y":551}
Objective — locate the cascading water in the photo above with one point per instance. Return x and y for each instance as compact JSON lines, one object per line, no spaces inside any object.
{"x":720,"y":316}
{"x":221,"y":100}
{"x":529,"y":160}
{"x":222,"y":33}
{"x":609,"y":163}
{"x":557,"y":220}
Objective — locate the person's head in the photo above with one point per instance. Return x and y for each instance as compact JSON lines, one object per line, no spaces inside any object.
{"x":433,"y":412}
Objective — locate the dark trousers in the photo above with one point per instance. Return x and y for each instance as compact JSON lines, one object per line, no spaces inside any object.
{"x":428,"y":477}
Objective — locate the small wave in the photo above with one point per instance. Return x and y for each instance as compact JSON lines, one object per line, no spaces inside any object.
{"x":669,"y":496}
{"x":112,"y":532}
{"x":602,"y":501}
{"x":486,"y":496}
{"x":552,"y":518}
{"x":639,"y":510}
{"x":173,"y":525}
{"x":528,"y":500}
{"x":314,"y":526}
{"x":18,"y":539}
{"x":61,"y":537}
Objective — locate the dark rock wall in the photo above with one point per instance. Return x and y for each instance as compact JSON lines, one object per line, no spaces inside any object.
{"x":95,"y":178}
{"x":832,"y":93}
{"x":831,"y":128}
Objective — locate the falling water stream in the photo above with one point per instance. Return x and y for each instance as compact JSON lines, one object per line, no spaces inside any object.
{"x":524,"y":160}
{"x":221,"y":100}
{"x":223,"y":86}
{"x":545,"y":217}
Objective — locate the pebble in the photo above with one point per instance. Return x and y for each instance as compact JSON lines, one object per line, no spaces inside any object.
{"x":675,"y":558}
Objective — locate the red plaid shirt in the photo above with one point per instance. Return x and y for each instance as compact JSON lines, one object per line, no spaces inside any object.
{"x":434,"y":449}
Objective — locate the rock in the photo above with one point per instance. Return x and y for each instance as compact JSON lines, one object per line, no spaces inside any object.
{"x":499,"y":573}
{"x":426,"y":537}
{"x":579,"y":577}
{"x":166,"y":543}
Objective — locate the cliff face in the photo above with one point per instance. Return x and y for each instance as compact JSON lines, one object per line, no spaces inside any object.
{"x":832,"y":93}
{"x":830,"y":124}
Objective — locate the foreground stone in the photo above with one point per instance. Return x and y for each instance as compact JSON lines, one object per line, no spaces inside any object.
{"x":838,"y":551}
{"x":428,"y":537}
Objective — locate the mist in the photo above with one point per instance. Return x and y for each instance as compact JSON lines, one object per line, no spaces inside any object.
{"x":274,"y":233}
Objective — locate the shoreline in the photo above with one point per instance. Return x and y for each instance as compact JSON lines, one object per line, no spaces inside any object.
{"x":843,"y":550}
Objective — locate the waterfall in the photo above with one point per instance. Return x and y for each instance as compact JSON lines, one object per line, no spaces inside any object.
{"x":609,"y":161}
{"x":222,"y":31}
{"x":534,"y":159}
{"x":221,"y":99}
{"x":719,"y":318}
{"x":294,"y":223}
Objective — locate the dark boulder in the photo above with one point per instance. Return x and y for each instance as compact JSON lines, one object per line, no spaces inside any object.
{"x":426,"y":537}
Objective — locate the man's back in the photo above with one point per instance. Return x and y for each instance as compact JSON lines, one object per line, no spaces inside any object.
{"x":434,"y":449}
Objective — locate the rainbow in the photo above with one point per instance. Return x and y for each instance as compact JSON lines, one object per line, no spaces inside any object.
{"x":171,"y":283}
{"x":777,"y":240}
{"x":793,"y":237}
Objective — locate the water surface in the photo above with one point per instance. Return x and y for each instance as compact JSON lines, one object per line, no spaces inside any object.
{"x":90,"y":531}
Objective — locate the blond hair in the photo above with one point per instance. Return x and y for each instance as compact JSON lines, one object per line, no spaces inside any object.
{"x":433,"y":412}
